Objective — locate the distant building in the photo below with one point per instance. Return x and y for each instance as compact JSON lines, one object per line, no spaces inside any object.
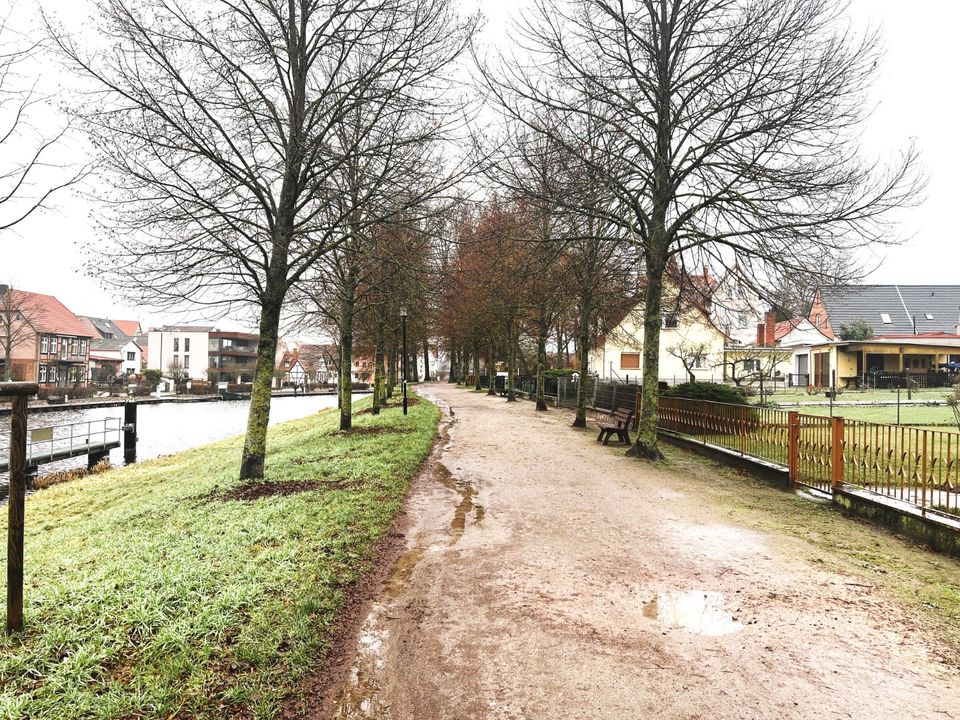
{"x":113,"y":352}
{"x":52,"y":344}
{"x":205,"y":352}
{"x":182,"y":346}
{"x":232,"y":356}
{"x":887,"y":309}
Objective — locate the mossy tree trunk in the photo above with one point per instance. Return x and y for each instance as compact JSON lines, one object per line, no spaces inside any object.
{"x":345,"y":385}
{"x":258,"y":419}
{"x":511,"y":361}
{"x":476,"y":367}
{"x":543,"y":328}
{"x":391,"y":368}
{"x":583,"y":350}
{"x":491,"y":372}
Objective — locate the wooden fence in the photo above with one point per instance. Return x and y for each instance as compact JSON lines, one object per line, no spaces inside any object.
{"x":913,"y":465}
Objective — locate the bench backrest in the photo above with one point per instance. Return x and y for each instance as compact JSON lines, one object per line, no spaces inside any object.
{"x":624,"y":414}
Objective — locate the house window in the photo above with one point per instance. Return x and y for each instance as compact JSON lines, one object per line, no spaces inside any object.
{"x":43,"y":372}
{"x":751,"y":365}
{"x":44,"y":346}
{"x":670,"y":320}
{"x":885,"y":317}
{"x":52,"y":374}
{"x":54,"y":345}
{"x":186,"y":361}
{"x":630,"y":361}
{"x":176,"y":345}
{"x":176,"y":361}
{"x":186,"y":344}
{"x":83,"y":348}
{"x":699,"y":363}
{"x":131,"y":357}
{"x":73,"y":346}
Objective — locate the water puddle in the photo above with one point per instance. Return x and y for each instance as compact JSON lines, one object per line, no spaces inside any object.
{"x":361,"y":695}
{"x":695,"y":611}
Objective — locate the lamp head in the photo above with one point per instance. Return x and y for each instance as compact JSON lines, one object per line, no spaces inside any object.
{"x":403,"y":311}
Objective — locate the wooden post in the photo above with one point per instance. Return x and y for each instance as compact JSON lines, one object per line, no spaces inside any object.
{"x":130,"y":431}
{"x":20,"y":392}
{"x":836,"y":453}
{"x":793,"y":446}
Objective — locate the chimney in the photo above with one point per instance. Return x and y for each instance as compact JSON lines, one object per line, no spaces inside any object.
{"x":761,"y":330}
{"x":3,"y":289}
{"x":771,"y":332}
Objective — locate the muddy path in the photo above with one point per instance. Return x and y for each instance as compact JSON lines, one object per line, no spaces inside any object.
{"x":545,"y":577}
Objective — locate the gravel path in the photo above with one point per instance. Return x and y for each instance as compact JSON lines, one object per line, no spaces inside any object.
{"x":546,"y":577}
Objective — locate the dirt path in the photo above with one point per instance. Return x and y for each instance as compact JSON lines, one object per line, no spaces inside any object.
{"x":549,"y":578}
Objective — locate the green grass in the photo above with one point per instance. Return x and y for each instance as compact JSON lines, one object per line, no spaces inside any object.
{"x":800,"y":395}
{"x":147,"y":598}
{"x":936,"y":415}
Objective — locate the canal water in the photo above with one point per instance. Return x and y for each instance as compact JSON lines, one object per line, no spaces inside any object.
{"x":167,"y":428}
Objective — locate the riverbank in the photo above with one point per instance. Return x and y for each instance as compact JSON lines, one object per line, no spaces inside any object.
{"x":168,"y":589}
{"x":38,"y":406}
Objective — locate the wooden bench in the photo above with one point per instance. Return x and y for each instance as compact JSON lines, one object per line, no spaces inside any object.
{"x":619,"y":426}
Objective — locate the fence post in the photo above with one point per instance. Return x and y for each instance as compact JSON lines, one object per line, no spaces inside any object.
{"x":793,"y":446}
{"x":20,"y":392}
{"x":836,"y":454}
{"x":130,"y":432}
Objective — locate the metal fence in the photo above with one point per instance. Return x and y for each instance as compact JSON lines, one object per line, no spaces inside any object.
{"x":913,"y":465}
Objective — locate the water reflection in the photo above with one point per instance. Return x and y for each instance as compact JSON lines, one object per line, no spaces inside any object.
{"x":169,"y":428}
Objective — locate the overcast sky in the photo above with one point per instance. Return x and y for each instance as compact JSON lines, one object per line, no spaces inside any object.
{"x":914,"y":95}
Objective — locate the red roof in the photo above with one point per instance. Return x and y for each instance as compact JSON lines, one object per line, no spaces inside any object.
{"x":128,"y":327}
{"x":49,"y":315}
{"x":782,"y":329}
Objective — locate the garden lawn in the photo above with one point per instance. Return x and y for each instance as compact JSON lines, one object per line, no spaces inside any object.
{"x":150,"y":594}
{"x":935,"y":415}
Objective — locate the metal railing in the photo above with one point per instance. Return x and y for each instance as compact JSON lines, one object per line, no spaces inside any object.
{"x":912,"y":465}
{"x":69,"y":440}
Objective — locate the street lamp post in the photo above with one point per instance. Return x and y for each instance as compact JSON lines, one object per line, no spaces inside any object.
{"x":403,"y":360}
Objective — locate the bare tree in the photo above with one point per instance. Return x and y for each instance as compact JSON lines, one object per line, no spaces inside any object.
{"x":17,"y":312}
{"x":218,"y":126}
{"x":30,"y":172}
{"x":730,"y":134}
{"x":693,"y":356}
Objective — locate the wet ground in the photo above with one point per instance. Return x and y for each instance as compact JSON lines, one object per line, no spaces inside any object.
{"x":545,"y":577}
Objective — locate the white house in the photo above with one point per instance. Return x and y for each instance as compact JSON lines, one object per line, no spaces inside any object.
{"x":690,"y":344}
{"x":185,"y":346}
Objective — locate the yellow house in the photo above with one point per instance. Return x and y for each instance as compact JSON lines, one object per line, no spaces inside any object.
{"x":923,"y":358}
{"x":690,"y":344}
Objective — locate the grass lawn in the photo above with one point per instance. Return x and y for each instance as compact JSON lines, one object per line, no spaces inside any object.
{"x":150,"y":593}
{"x":909,"y":414}
{"x":800,"y":395}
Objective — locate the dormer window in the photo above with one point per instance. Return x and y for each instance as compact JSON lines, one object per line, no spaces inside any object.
{"x":929,"y":316}
{"x":885,"y":317}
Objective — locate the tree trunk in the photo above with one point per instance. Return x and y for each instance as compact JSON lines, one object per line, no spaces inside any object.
{"x":346,"y":360}
{"x":426,"y":360}
{"x":378,"y":399}
{"x":511,"y":362}
{"x":391,"y":368}
{"x":255,"y":442}
{"x":476,"y":367}
{"x":646,"y":443}
{"x":453,"y":363}
{"x":584,"y":350}
{"x":491,"y":374}
{"x":542,"y":330}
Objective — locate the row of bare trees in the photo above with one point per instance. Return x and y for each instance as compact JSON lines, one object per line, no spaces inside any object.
{"x":301,"y":159}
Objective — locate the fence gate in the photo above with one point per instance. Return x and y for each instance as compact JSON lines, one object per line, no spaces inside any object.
{"x":816,"y":451}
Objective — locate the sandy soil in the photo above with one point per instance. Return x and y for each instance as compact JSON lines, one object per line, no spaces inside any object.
{"x":545,"y":577}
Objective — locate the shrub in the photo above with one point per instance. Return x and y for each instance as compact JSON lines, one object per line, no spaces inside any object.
{"x":714,"y":392}
{"x":152,"y":378}
{"x":240,"y":388}
{"x":362,"y":386}
{"x":559,"y":372}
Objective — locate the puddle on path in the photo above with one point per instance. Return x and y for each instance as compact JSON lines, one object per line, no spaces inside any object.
{"x":695,"y":611}
{"x":361,"y":695}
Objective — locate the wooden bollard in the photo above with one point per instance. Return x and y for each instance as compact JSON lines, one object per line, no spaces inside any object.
{"x":20,"y":392}
{"x":130,"y":432}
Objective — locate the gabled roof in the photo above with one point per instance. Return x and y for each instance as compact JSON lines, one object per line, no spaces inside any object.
{"x":48,"y":315}
{"x":184,"y":328}
{"x":935,"y":308}
{"x":128,"y":327}
{"x":111,"y":344}
{"x":104,"y":327}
